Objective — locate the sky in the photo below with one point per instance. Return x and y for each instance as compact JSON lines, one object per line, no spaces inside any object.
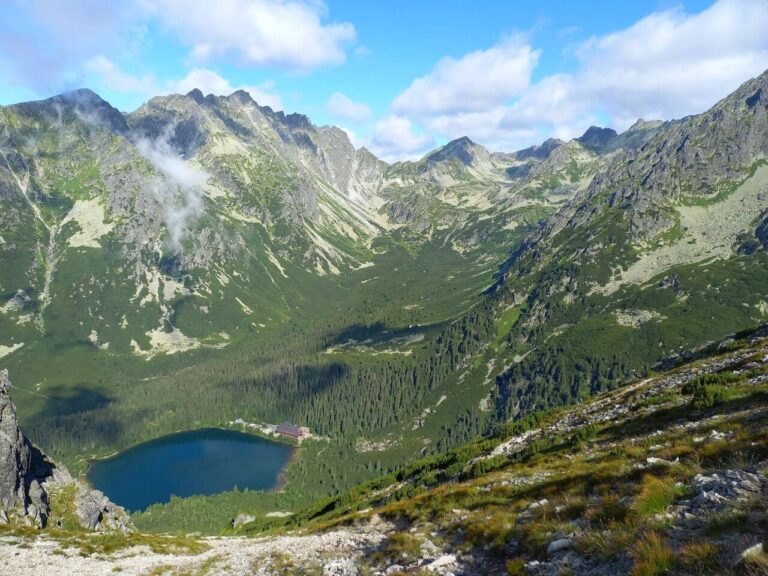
{"x":402,"y":76}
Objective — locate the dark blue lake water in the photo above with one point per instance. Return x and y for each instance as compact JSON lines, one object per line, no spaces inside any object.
{"x":198,"y":462}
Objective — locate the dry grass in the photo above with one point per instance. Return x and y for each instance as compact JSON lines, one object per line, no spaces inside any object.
{"x":700,"y":558}
{"x":652,"y":556}
{"x":656,"y":495}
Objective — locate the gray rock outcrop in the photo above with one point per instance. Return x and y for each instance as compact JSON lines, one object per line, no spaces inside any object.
{"x":28,"y":478}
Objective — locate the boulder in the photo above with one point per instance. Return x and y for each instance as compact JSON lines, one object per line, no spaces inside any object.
{"x":241,"y":519}
{"x":558,"y":545}
{"x":96,"y":512}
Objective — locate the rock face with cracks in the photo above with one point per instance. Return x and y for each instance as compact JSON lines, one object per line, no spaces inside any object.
{"x":28,"y":478}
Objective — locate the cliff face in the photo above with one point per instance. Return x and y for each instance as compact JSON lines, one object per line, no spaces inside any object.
{"x":29,"y":481}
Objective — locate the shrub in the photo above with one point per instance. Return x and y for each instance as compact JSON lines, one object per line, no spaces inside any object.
{"x":709,"y":395}
{"x":709,"y":390}
{"x":720,"y":378}
{"x":584,"y":434}
{"x":482,"y":467}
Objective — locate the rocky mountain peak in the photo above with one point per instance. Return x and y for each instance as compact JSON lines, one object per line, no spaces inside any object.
{"x":242,"y":97}
{"x":196,"y":95}
{"x":298,"y":122}
{"x":539,"y":152}
{"x":596,"y":138}
{"x":462,"y":149}
{"x":78,"y":105}
{"x":641,"y":124}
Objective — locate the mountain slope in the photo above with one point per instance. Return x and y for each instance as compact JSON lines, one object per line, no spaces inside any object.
{"x":666,"y":476}
{"x":659,"y":253}
{"x":207,"y":261}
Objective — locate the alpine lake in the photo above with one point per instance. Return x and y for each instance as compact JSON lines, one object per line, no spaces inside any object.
{"x":198,"y":462}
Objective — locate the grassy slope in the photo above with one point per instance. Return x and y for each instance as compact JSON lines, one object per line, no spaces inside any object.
{"x":615,"y":476}
{"x":611,"y":473}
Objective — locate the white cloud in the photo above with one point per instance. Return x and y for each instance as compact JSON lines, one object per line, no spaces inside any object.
{"x":282,"y":33}
{"x":43,"y":43}
{"x":354,"y":137}
{"x":475,"y":82}
{"x":179,"y":190}
{"x":209,"y":82}
{"x":341,"y":106}
{"x":394,"y":139}
{"x":117,"y":79}
{"x":671,"y":63}
{"x":666,"y":65}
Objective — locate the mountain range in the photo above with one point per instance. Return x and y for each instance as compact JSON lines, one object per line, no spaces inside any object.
{"x":204,"y":259}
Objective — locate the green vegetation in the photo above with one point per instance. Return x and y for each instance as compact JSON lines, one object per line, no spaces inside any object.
{"x":509,"y":510}
{"x":656,"y":494}
{"x":450,"y":313}
{"x":653,"y":556}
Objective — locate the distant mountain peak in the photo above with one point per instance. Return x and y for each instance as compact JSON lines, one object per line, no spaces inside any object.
{"x":241,"y":96}
{"x":596,"y":138}
{"x":462,"y":149}
{"x":541,"y":151}
{"x":196,"y":95}
{"x":641,"y":124}
{"x":83,"y":102}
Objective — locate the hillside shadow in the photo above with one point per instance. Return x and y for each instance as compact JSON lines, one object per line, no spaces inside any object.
{"x":68,"y":400}
{"x":75,"y":416}
{"x":376,"y":333}
{"x":292,"y":382}
{"x":661,"y":419}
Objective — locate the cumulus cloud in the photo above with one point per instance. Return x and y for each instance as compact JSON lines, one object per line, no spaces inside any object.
{"x":289,"y":34}
{"x":394,"y":138}
{"x":117,"y":79}
{"x":475,"y":82}
{"x":341,"y":106}
{"x":179,"y":190}
{"x":672,"y":63}
{"x":44,"y":42}
{"x":209,"y":82}
{"x":667,"y":65}
{"x":51,"y":46}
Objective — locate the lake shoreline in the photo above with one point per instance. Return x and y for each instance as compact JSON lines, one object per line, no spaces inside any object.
{"x":203,"y":461}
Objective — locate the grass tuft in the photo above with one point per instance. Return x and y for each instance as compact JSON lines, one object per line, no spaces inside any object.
{"x":652,"y":555}
{"x":655,"y":496}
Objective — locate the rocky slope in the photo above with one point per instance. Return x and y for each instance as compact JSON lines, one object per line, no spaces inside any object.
{"x":34,"y":491}
{"x":228,"y":209}
{"x":668,"y":475}
{"x":663,"y":246}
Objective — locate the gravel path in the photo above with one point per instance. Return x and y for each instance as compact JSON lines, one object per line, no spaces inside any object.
{"x":231,"y":556}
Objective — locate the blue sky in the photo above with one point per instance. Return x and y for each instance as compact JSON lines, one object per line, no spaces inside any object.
{"x":402,"y":76}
